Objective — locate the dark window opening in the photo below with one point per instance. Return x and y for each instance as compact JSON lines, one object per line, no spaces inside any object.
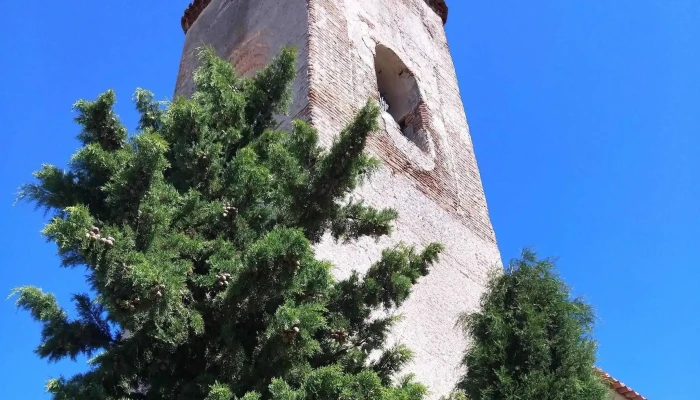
{"x":402,"y":124}
{"x":399,"y":95}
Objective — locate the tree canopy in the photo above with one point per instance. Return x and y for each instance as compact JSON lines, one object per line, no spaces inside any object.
{"x":196,"y":233}
{"x":530,"y":340}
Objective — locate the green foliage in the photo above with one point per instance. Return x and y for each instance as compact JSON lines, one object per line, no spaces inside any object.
{"x":456,"y":395}
{"x":197,"y":235}
{"x":531,"y":340}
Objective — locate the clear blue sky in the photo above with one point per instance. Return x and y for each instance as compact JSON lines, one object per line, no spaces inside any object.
{"x":584,"y":116}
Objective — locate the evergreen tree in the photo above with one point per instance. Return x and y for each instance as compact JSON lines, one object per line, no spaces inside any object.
{"x":531,"y":340}
{"x":196,"y":233}
{"x":455,"y":395}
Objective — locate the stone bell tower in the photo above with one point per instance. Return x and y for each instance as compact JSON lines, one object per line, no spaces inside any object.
{"x":396,"y":51}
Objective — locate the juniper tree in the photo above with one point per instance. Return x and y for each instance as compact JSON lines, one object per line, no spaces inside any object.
{"x":530,"y":340}
{"x":455,"y":395}
{"x":196,"y":233}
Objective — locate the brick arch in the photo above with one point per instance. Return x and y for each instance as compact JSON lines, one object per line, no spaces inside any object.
{"x":437,"y":183}
{"x":400,"y":97}
{"x":253,"y":54}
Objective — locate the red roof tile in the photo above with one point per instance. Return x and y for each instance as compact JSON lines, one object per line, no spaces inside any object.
{"x":622,"y":389}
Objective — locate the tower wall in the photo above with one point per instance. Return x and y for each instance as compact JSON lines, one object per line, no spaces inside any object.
{"x":249,"y":33}
{"x":429,"y":174}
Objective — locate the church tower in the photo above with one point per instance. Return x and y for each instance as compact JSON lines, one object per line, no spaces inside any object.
{"x":394,"y":51}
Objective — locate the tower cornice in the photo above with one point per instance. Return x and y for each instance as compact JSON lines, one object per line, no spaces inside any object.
{"x":192,"y":13}
{"x":440,"y":7}
{"x":197,"y":6}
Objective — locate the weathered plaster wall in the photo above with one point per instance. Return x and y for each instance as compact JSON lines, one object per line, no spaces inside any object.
{"x":439,"y":195}
{"x":436,"y":189}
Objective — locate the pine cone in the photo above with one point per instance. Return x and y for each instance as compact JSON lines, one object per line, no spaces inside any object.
{"x":290,"y":334}
{"x":339,"y":336}
{"x":222,"y":279}
{"x":156,"y":291}
{"x":228,"y":209}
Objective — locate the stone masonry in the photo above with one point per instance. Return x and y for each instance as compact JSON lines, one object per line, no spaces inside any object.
{"x":396,"y":50}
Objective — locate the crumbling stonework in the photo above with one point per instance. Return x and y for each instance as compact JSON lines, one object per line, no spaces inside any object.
{"x":430,"y":173}
{"x":416,"y":127}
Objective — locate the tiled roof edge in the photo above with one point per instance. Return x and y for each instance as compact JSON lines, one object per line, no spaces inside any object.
{"x":622,"y":389}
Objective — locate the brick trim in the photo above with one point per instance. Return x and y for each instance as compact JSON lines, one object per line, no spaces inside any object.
{"x":432,"y":183}
{"x":197,"y":6}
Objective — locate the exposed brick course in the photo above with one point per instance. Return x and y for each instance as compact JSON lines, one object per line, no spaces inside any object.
{"x":251,"y":55}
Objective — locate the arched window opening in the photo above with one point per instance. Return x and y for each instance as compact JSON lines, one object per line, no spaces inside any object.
{"x":400,"y":97}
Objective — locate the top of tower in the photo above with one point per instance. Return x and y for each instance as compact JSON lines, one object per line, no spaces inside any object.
{"x":440,"y":7}
{"x":192,"y":13}
{"x":197,"y":6}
